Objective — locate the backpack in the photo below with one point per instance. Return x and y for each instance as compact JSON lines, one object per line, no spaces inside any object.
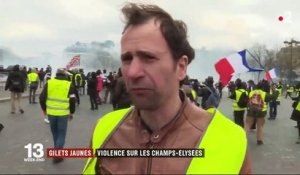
{"x":213,"y":99}
{"x":243,"y":101}
{"x":16,"y":83}
{"x":256,"y":103}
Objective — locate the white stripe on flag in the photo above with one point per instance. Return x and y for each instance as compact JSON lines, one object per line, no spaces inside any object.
{"x":272,"y":73}
{"x":236,"y":62}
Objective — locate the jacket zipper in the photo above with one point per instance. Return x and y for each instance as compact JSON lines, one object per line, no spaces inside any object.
{"x":150,"y":160}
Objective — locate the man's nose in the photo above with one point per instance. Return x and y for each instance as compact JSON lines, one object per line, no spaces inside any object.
{"x":135,"y":69}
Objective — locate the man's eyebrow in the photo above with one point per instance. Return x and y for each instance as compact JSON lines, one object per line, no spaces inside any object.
{"x":126,"y":54}
{"x":145,"y":53}
{"x":139,"y":53}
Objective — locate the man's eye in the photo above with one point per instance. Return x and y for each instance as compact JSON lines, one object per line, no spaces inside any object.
{"x":149,"y":57}
{"x":126,"y":58}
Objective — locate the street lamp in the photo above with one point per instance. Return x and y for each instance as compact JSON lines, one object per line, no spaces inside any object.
{"x":291,"y":65}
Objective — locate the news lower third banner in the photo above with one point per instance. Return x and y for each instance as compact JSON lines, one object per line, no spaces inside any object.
{"x":86,"y":152}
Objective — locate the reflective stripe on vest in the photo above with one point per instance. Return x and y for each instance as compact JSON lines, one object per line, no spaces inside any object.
{"x":194,"y":95}
{"x":32,"y":77}
{"x":57,"y":97}
{"x":80,"y":82}
{"x":263,"y":96}
{"x":279,"y":95}
{"x":298,"y":106}
{"x":238,"y":94}
{"x":222,"y":154}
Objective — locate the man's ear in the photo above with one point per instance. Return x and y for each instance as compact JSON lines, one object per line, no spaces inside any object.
{"x":182,"y":67}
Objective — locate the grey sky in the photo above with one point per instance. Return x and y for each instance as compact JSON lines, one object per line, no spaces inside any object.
{"x":32,"y":27}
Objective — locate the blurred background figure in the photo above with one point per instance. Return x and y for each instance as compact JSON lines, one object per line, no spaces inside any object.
{"x":16,"y":85}
{"x":121,"y":97}
{"x":41,"y":74}
{"x":33,"y":81}
{"x":92,"y":90}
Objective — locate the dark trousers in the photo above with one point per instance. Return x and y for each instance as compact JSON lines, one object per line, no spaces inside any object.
{"x":273,"y":109}
{"x":253,"y":125}
{"x":239,"y":117}
{"x":77,"y":97}
{"x":58,"y":127}
{"x":32,"y":95}
{"x":93,"y":100}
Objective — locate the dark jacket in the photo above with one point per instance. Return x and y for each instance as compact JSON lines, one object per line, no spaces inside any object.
{"x":43,"y":96}
{"x":15,"y":75}
{"x":120,"y":96}
{"x":41,"y":75}
{"x":92,"y":87}
{"x":205,"y":93}
{"x":274,"y":95}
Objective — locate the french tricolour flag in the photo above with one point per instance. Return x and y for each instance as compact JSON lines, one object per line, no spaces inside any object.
{"x":235,"y":63}
{"x":271,"y":74}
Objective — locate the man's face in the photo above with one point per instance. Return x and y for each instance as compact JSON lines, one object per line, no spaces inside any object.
{"x":150,"y":73}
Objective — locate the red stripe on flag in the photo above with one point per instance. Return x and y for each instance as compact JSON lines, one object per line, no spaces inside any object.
{"x":225,"y":70}
{"x":268,"y":76}
{"x":75,"y":61}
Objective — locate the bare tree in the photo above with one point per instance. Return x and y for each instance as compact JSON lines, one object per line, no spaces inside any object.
{"x":259,"y":58}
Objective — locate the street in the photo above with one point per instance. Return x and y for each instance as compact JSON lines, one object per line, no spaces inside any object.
{"x":278,"y":155}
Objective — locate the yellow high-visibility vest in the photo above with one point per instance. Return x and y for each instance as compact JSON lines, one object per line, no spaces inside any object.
{"x":58,"y":97}
{"x":298,"y":106}
{"x":222,"y":153}
{"x":238,"y":94}
{"x":80,"y":82}
{"x":194,"y":95}
{"x":32,"y":77}
{"x":280,"y":93}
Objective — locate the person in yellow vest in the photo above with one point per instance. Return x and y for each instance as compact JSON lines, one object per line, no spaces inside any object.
{"x":273,"y":103}
{"x":57,"y":101}
{"x":76,"y":84}
{"x":155,"y":53}
{"x":296,"y":112}
{"x":279,"y":88}
{"x":239,"y":95}
{"x":33,"y":81}
{"x":189,"y":91}
{"x":78,"y":81}
{"x":257,"y":110}
{"x":289,"y":91}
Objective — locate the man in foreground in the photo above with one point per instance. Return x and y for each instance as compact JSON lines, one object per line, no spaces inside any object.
{"x":155,"y":53}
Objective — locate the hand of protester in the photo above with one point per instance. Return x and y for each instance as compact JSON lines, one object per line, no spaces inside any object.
{"x":45,"y":113}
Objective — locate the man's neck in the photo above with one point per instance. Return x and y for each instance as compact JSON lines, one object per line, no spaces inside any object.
{"x":157,"y":119}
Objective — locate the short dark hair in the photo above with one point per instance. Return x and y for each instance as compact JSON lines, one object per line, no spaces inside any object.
{"x":174,"y":31}
{"x":238,"y":83}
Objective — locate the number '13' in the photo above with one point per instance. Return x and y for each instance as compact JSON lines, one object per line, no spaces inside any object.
{"x":35,"y":150}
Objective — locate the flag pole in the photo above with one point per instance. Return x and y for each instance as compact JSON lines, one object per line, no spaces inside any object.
{"x":256,"y":60}
{"x":263,"y":67}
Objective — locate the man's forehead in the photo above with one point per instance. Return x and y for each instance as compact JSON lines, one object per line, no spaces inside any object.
{"x":150,"y":25}
{"x":146,"y":37}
